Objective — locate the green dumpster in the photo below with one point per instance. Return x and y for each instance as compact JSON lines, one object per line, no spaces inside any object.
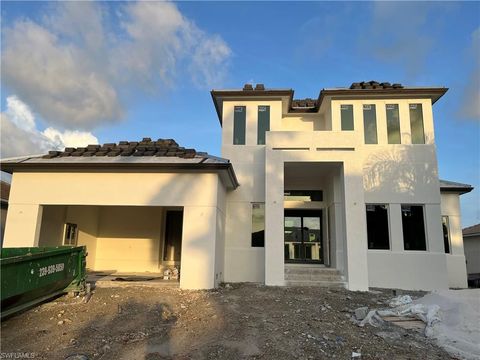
{"x":32,"y":275}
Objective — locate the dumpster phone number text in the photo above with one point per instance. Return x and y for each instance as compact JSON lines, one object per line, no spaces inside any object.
{"x":50,"y":269}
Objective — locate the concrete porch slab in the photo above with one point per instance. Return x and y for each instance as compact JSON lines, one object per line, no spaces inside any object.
{"x":108,"y":279}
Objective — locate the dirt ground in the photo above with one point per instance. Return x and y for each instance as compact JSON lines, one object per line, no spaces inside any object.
{"x":234,"y":322}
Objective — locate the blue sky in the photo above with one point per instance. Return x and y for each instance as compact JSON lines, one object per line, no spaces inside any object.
{"x":305,"y":46}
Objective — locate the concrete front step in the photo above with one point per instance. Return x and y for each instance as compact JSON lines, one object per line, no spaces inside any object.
{"x":301,"y":268}
{"x":327,"y":284}
{"x":312,"y":275}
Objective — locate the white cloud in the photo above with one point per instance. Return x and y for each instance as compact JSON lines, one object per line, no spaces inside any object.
{"x":20,"y":135}
{"x":55,"y":78}
{"x":78,"y":66}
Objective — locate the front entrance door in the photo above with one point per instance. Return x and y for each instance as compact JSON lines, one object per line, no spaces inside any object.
{"x":173,"y":235}
{"x":303,"y":236}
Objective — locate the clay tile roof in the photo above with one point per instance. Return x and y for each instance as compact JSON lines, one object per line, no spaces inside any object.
{"x":146,"y":147}
{"x":304,"y":103}
{"x":471,"y":230}
{"x":374,"y":85}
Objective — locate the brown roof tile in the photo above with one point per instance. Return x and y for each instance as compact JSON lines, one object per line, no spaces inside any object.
{"x":146,"y":147}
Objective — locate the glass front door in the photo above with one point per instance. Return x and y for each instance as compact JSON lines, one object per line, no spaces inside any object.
{"x":303,"y":236}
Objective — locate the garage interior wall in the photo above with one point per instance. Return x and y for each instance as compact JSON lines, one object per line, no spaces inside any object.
{"x":120,"y":238}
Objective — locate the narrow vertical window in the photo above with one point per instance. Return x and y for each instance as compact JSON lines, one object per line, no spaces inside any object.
{"x":346,"y":112}
{"x":263,"y":123}
{"x":71,"y":234}
{"x":370,"y":124}
{"x":239,"y":125}
{"x":393,"y":124}
{"x":258,"y":225}
{"x":413,"y":226}
{"x":416,"y":124}
{"x":377,"y":227}
{"x":446,"y":234}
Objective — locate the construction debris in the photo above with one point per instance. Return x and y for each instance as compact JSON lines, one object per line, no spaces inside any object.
{"x":237,"y":321}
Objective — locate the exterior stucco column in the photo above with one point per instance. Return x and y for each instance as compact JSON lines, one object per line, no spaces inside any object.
{"x":198,"y":247}
{"x":23,"y":225}
{"x":355,"y":227}
{"x":274,"y":214}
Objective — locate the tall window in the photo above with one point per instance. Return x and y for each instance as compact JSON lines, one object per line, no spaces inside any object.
{"x":446,"y":234}
{"x":393,"y":124}
{"x":370,"y":124}
{"x":258,"y":225}
{"x":71,"y":233}
{"x":239,"y":125}
{"x":346,"y":113}
{"x":413,"y":226}
{"x":377,"y":227}
{"x":416,"y":124}
{"x":263,"y":123}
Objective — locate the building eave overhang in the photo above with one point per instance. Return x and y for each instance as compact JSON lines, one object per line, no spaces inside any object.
{"x":433,"y":93}
{"x":457,"y":190}
{"x":224,"y":169}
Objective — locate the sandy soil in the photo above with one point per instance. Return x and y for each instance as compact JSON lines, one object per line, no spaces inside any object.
{"x":234,"y":322}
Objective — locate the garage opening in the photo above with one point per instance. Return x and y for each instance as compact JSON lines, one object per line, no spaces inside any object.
{"x":119,"y":239}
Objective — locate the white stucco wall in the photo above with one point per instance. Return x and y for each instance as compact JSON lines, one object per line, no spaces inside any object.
{"x":378,"y":173}
{"x":472,"y":253}
{"x":197,"y":193}
{"x":456,"y":262}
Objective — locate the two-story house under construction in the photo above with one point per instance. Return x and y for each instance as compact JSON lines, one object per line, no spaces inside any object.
{"x":343,"y":190}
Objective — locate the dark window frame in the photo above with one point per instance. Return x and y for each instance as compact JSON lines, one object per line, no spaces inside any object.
{"x":411,"y":111}
{"x":393,"y":126}
{"x":239,"y":125}
{"x":374,"y":122}
{"x":372,"y":231}
{"x":262,"y":131}
{"x":414,"y":241}
{"x":346,"y":122}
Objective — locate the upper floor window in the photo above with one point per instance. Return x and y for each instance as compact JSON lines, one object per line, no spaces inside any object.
{"x":370,"y":124}
{"x":416,"y":124}
{"x":346,"y":114}
{"x":239,"y":125}
{"x":263,"y":123}
{"x":413,"y":225}
{"x":393,"y":124}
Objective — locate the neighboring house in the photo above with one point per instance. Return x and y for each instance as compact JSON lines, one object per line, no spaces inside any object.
{"x":344,"y":187}
{"x":452,"y":231}
{"x":4,"y":193}
{"x":471,"y":244}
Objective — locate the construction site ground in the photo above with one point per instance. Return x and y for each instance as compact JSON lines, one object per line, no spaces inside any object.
{"x":237,"y":321}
